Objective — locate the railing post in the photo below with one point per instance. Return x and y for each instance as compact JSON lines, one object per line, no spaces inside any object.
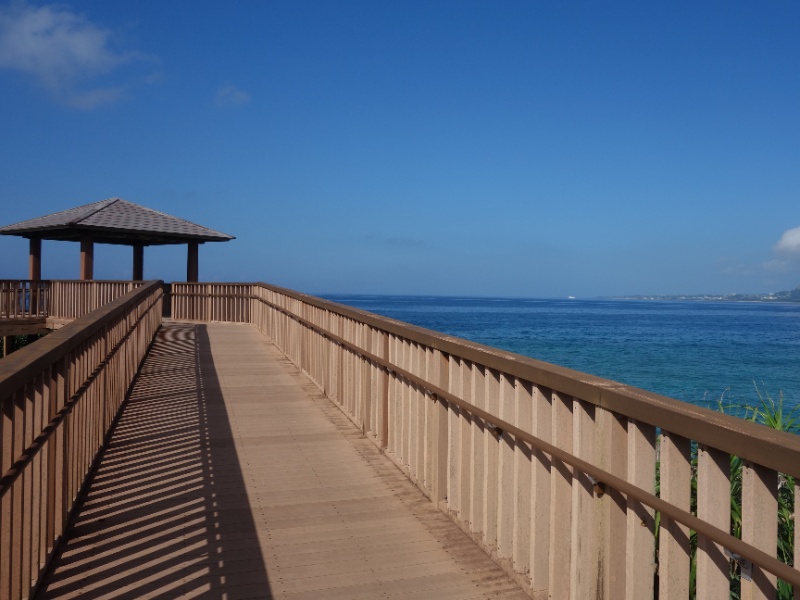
{"x":640,"y":542}
{"x":560,"y":501}
{"x":586,"y":524}
{"x":713,"y":506}
{"x":759,"y":526}
{"x":6,"y":521}
{"x":384,"y":383}
{"x":796,"y":521}
{"x":418,"y":410}
{"x":523,"y":418}
{"x":439,"y":451}
{"x":365,"y":387}
{"x":541,"y":476}
{"x":491,"y":397}
{"x":613,"y":442}
{"x":455,"y":458}
{"x":505,"y":470}
{"x":479,"y":468}
{"x":675,"y":482}
{"x":470,"y":380}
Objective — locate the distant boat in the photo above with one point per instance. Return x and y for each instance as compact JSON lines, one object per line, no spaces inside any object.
{"x":570,"y":297}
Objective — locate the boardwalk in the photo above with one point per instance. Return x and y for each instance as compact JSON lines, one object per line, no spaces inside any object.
{"x":230,"y":476}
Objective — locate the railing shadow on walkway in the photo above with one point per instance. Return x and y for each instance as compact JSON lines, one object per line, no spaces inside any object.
{"x":167,"y":513}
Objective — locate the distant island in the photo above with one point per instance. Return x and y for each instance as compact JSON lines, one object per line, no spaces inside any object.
{"x":787,"y":296}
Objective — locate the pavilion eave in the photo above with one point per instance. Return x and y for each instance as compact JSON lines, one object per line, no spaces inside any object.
{"x":112,"y":236}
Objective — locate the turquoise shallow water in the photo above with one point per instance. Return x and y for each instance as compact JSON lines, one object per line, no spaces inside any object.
{"x":692,"y":351}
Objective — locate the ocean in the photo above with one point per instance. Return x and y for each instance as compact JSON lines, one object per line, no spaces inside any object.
{"x":698,"y":352}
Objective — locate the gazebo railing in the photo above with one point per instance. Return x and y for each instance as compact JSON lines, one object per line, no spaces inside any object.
{"x":59,"y":299}
{"x":58,"y":400}
{"x":24,"y":299}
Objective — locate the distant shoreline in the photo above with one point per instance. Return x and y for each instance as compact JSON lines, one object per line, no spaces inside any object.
{"x":764,"y":298}
{"x":792,"y":297}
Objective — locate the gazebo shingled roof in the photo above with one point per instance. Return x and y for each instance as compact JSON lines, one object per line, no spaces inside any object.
{"x":113,"y":221}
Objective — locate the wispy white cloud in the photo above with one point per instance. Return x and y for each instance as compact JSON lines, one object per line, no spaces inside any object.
{"x":65,"y":52}
{"x":789,"y":242}
{"x":787,"y":253}
{"x":230,"y":95}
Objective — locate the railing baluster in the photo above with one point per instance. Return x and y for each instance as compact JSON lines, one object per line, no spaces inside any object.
{"x":478,"y":470}
{"x":640,"y":532}
{"x":490,"y":459}
{"x":523,"y":418}
{"x":467,"y":390}
{"x":759,"y":527}
{"x":454,"y":456}
{"x":713,"y":505}
{"x":586,"y":523}
{"x":505,"y":470}
{"x":560,"y":543}
{"x":419,"y":417}
{"x":7,"y":412}
{"x":385,"y":383}
{"x":796,"y":541}
{"x":613,"y":445}
{"x":675,"y":482}
{"x":541,"y":478}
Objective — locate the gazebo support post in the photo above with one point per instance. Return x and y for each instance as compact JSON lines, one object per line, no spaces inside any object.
{"x":35,"y":259}
{"x":192,"y":271}
{"x":34,"y":273}
{"x":138,"y":262}
{"x":87,"y":257}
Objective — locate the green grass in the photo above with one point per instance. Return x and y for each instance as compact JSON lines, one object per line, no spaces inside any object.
{"x":774,"y":414}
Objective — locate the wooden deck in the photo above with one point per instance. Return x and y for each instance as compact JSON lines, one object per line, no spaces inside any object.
{"x":229,"y":475}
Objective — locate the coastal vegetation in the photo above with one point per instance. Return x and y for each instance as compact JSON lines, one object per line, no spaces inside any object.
{"x":769,"y":412}
{"x":18,"y":341}
{"x":776,"y":415}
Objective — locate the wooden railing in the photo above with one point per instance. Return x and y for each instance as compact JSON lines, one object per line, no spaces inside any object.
{"x":211,"y":302}
{"x":73,"y":299}
{"x":58,"y":399}
{"x":23,"y":299}
{"x":579,"y":486}
{"x":59,"y":299}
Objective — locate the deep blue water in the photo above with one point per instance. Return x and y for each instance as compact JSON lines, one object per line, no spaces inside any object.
{"x":692,"y":351}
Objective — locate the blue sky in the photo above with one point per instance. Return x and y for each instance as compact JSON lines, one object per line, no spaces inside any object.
{"x":466,"y":148}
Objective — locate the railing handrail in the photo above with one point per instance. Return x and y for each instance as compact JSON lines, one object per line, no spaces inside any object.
{"x":78,"y":281}
{"x":775,"y":449}
{"x":90,"y":281}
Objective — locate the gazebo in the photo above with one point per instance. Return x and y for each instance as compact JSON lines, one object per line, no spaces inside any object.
{"x":113,"y":221}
